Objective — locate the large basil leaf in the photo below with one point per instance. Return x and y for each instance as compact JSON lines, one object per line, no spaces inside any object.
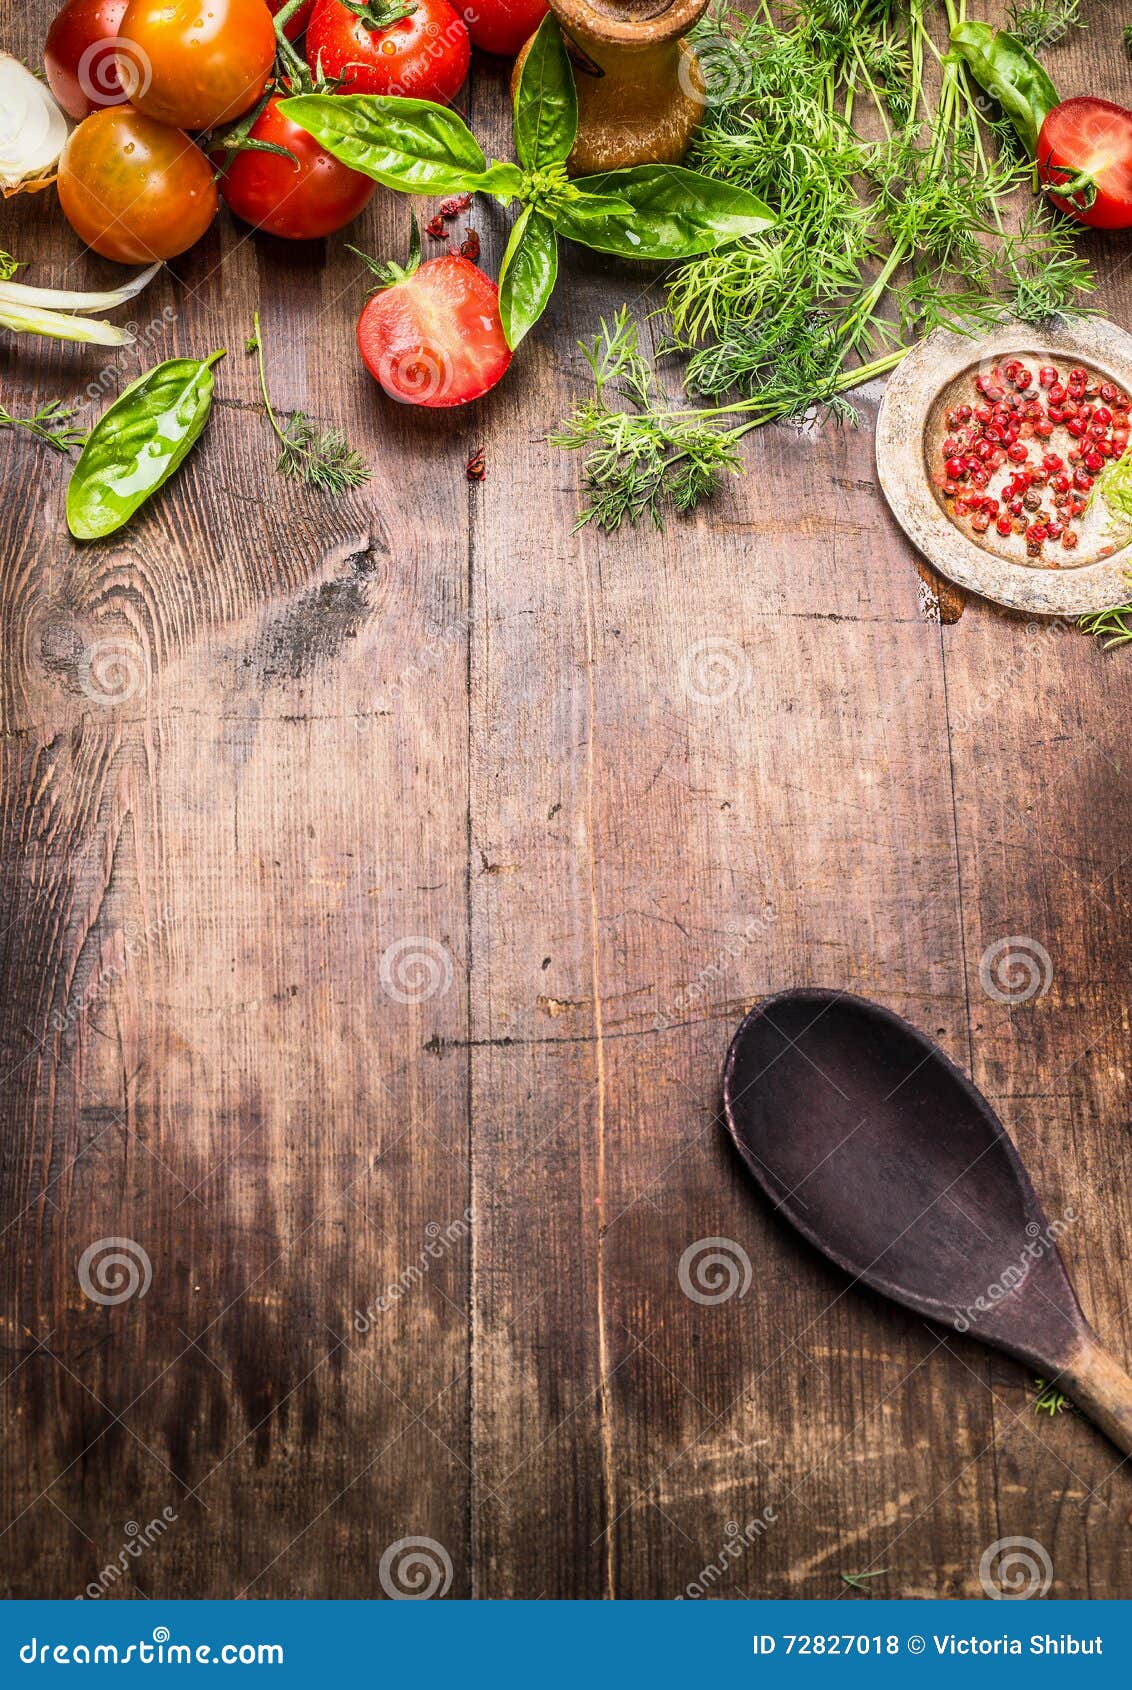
{"x":676,"y":213}
{"x":528,"y":274}
{"x":546,"y":101}
{"x":136,"y":445}
{"x":414,"y":145}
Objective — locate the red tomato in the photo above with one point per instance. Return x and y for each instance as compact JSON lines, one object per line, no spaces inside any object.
{"x":501,"y":26}
{"x":1094,"y":138}
{"x":302,"y":200}
{"x":82,"y":72}
{"x":435,"y":338}
{"x":133,"y":189}
{"x":300,"y":20}
{"x":202,"y":63}
{"x":424,"y":53}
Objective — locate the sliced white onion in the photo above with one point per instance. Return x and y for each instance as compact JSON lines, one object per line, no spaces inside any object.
{"x":59,"y":326}
{"x":32,"y":129}
{"x":63,"y":299}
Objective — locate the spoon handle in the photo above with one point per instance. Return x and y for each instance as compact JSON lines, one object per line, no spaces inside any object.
{"x":1096,"y":1380}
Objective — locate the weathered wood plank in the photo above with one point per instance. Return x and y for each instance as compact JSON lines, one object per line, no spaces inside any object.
{"x":604,"y":792}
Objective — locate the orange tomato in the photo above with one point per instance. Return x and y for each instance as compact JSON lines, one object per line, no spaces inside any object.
{"x":196,"y":63}
{"x":133,"y":189}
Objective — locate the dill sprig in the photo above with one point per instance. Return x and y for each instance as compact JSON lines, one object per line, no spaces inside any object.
{"x":889,"y":227}
{"x":1042,"y":25}
{"x":51,"y":424}
{"x":644,"y":456}
{"x":322,"y":457}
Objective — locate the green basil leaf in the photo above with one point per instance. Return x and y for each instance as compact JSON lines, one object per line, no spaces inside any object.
{"x":546,"y":101}
{"x":676,"y":213}
{"x":528,"y":274}
{"x":136,"y":445}
{"x":414,"y":145}
{"x":584,"y":208}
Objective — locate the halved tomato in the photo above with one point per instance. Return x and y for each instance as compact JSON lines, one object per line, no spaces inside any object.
{"x":1085,"y":146}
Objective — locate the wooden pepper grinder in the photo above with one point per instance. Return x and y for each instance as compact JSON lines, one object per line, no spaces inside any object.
{"x":639,"y":85}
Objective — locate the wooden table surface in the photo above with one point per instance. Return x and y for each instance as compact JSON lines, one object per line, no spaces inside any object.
{"x":381,"y":883}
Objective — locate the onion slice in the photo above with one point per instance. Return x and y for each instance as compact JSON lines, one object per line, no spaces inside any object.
{"x":64,"y":299}
{"x":57,"y":325}
{"x":32,"y":129}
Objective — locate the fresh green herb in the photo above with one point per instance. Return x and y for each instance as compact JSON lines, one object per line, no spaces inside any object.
{"x":1112,"y":627}
{"x":856,"y":1580}
{"x":1042,"y":25}
{"x":654,"y":212}
{"x":137,"y":444}
{"x":651,"y":456}
{"x":1113,"y":487}
{"x":322,"y":457}
{"x":1127,"y":39}
{"x":51,"y":424}
{"x":895,"y":214}
{"x":1048,"y":1399}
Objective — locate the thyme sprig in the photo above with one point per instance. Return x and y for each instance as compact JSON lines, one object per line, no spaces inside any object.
{"x":887,"y":228}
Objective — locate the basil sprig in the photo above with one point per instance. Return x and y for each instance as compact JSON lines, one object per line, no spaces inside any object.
{"x":137,"y":444}
{"x":656,"y":211}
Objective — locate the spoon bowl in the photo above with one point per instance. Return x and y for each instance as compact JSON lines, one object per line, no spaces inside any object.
{"x":885,"y":1156}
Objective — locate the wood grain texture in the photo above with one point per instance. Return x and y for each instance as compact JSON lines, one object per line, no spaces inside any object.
{"x":380,"y":883}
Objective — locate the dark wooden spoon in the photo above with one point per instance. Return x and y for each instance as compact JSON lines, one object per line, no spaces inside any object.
{"x":885,"y":1156}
